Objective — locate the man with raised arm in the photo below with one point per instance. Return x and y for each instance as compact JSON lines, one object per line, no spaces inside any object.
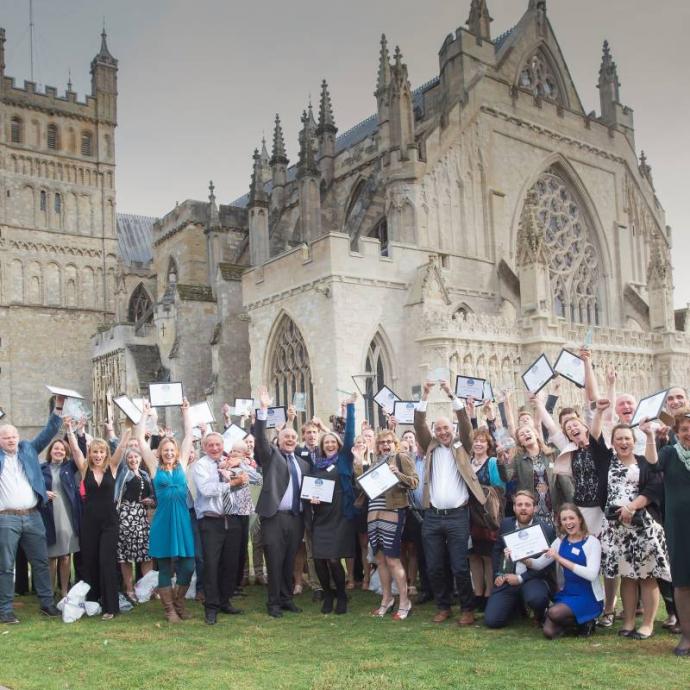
{"x":448,"y":481}
{"x":22,"y":492}
{"x":279,"y":507}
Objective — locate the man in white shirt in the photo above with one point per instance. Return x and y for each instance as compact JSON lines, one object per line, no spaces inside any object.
{"x":220,"y":529}
{"x":22,"y":492}
{"x":448,"y":481}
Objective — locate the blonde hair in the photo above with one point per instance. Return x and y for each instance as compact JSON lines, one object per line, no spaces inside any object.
{"x":168,"y":439}
{"x":543,"y":448}
{"x":98,"y":443}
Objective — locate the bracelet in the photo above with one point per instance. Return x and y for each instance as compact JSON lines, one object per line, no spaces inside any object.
{"x":628,"y":511}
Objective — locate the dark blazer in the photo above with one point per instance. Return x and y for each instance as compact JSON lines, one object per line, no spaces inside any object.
{"x":70,"y":487}
{"x":508,"y":525}
{"x":275,"y":472}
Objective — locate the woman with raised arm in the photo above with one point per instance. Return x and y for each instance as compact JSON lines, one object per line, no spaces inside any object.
{"x":363,"y":457}
{"x":578,"y":553}
{"x":62,"y":514}
{"x":171,"y":539}
{"x":674,"y":462}
{"x":98,"y":536}
{"x":632,"y":540}
{"x":386,"y":519}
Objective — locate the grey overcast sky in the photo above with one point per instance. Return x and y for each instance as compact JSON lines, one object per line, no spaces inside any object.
{"x":200,"y":82}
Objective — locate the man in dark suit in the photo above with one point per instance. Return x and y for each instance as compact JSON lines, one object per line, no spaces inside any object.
{"x":279,"y":507}
{"x":519,"y":583}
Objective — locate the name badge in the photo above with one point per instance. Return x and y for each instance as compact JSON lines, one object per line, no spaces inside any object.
{"x":575,"y":551}
{"x":330,"y":468}
{"x":304,"y":453}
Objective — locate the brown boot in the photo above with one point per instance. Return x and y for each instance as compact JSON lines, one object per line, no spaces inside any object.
{"x":166,"y":597}
{"x":466,"y":618}
{"x":179,"y":602}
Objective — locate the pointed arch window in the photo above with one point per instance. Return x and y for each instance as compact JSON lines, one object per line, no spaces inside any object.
{"x":375,"y":364}
{"x":140,"y":306}
{"x":380,"y":232}
{"x":16,"y":130}
{"x":52,"y":134}
{"x":86,"y":144}
{"x":172,"y":272}
{"x":574,"y":266}
{"x":289,"y":368}
{"x":539,"y":78}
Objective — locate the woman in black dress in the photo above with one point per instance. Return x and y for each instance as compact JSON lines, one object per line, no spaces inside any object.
{"x":98,"y":536}
{"x":334,"y":523}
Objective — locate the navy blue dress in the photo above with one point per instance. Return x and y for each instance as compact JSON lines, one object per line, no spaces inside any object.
{"x":578,"y":593}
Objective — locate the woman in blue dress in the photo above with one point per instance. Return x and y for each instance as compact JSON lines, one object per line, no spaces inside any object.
{"x":171,"y":540}
{"x":581,"y":599}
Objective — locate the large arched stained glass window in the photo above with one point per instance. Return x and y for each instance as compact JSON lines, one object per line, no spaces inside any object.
{"x":538,"y":76}
{"x":574,"y":265}
{"x":289,"y":370}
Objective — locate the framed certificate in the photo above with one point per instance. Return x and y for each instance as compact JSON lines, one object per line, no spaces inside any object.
{"x":438,"y":375}
{"x":649,"y":407}
{"x":538,"y":375}
{"x":385,"y":399}
{"x":469,"y":387}
{"x":571,"y":367}
{"x":299,"y":402}
{"x":377,"y":480}
{"x":166,"y":394}
{"x":403,"y":411}
{"x":277,"y":416}
{"x":201,"y":413}
{"x":243,"y":406}
{"x":526,"y":543}
{"x":65,"y":392}
{"x":129,"y":408}
{"x":487,"y":393}
{"x":232,"y":434}
{"x":318,"y":488}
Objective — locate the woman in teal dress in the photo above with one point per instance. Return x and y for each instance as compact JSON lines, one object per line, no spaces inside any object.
{"x":171,"y":539}
{"x":674,"y":461}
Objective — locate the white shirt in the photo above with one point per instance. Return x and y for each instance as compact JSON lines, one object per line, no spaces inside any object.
{"x":209,"y":488}
{"x":15,"y":491}
{"x":447,"y":488}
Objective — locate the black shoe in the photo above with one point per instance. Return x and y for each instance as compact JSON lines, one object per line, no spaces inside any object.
{"x":291,"y":606}
{"x":327,"y":605}
{"x":275,"y":613}
{"x":685,"y":651}
{"x":586,"y":629}
{"x":239,"y":592}
{"x":50,"y":611}
{"x":210,"y":616}
{"x":317,"y":595}
{"x":230,"y":610}
{"x":9,"y":618}
{"x":341,"y":605}
{"x":625,"y":633}
{"x":423,"y":598}
{"x":637,"y":635}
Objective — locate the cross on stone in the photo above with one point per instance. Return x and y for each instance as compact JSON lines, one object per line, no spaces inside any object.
{"x":163,"y":330}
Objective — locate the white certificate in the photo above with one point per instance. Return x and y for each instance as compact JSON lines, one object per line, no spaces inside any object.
{"x":538,"y":374}
{"x":65,"y":392}
{"x":2,"y":413}
{"x":385,"y":399}
{"x":232,"y":434}
{"x":469,"y":387}
{"x":403,"y":411}
{"x":299,"y":402}
{"x":201,"y":413}
{"x":526,"y":543}
{"x":75,"y":409}
{"x":649,"y":408}
{"x":571,"y":367}
{"x":377,"y":480}
{"x":131,"y":411}
{"x":318,"y":488}
{"x":276,"y":416}
{"x":166,"y":394}
{"x":243,"y":406}
{"x":438,"y":375}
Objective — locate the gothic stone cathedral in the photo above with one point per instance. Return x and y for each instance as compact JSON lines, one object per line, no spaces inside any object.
{"x":471,"y":223}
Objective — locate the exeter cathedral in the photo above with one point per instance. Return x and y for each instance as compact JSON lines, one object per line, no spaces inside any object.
{"x":472,"y":222}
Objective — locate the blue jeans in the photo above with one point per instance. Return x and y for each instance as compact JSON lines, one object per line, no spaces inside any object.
{"x":29,"y":531}
{"x":452,"y":532}
{"x":504,"y":601}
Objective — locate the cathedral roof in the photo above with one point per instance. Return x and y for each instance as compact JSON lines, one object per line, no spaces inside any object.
{"x":135,"y":238}
{"x":351,"y":137}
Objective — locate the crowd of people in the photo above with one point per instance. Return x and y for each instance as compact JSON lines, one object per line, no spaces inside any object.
{"x":612,"y":501}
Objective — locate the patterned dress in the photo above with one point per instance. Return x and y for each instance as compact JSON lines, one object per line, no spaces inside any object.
{"x":133,"y":537}
{"x":635,"y":552}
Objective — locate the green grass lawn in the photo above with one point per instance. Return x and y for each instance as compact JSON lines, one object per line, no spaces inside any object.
{"x":309,"y":650}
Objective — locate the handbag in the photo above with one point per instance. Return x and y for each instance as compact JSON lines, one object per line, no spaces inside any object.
{"x":488,"y":516}
{"x":612,"y":516}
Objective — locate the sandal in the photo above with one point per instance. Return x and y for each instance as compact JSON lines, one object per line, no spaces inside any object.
{"x":606,"y":619}
{"x":131,"y":598}
{"x":350,"y":585}
{"x":107,"y":616}
{"x":401,"y":614}
{"x":384,"y":609}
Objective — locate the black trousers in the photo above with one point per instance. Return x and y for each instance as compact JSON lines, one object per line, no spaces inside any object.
{"x":220,"y":542}
{"x":413,"y":529}
{"x":98,"y":546}
{"x":244,"y":544}
{"x":282,"y":534}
